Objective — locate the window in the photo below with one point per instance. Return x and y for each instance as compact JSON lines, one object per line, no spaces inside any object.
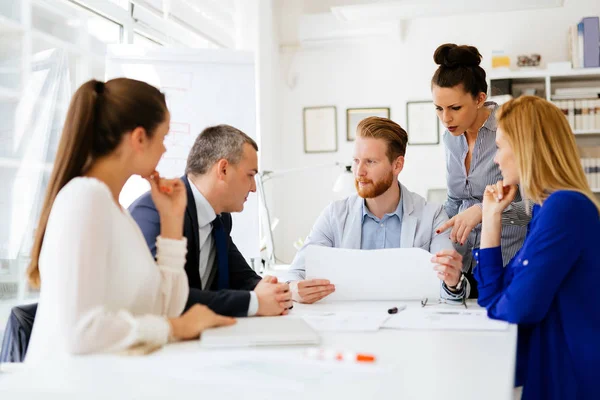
{"x":145,"y":41}
{"x":121,"y":3}
{"x":46,"y":52}
{"x":38,"y":73}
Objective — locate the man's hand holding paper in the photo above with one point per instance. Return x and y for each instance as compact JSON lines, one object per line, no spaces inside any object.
{"x":311,"y":290}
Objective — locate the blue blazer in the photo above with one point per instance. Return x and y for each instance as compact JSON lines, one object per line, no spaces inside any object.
{"x":550,"y":288}
{"x":242,"y":278}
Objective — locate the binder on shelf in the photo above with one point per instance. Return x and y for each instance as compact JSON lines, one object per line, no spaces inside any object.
{"x":585,"y":115}
{"x":574,"y":46}
{"x":597,"y":114}
{"x":591,"y":37}
{"x":591,"y":168}
{"x":578,"y":115}
{"x":592,"y":114}
{"x":580,"y":44}
{"x":582,"y":115}
{"x":571,"y":113}
{"x":586,"y":170}
{"x":596,"y":173}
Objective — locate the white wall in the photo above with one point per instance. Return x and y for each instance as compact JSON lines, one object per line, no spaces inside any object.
{"x":257,"y":31}
{"x":386,"y":73}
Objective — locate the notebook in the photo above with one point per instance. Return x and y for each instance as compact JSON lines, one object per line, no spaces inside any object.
{"x":261,"y":331}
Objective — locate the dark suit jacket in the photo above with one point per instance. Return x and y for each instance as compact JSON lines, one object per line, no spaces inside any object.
{"x":242,"y":279}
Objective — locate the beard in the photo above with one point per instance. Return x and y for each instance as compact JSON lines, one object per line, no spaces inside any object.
{"x":376,"y":188}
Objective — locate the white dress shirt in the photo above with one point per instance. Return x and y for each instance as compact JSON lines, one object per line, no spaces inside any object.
{"x":206,"y":215}
{"x":101,"y":289}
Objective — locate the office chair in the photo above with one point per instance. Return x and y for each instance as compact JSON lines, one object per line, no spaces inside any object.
{"x":17,"y":333}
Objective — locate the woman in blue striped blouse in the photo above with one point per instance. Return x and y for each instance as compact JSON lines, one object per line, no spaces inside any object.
{"x":550,"y":287}
{"x":459,"y":93}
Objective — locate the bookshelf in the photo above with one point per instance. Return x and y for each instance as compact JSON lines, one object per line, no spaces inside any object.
{"x":586,"y":132}
{"x":574,"y":91}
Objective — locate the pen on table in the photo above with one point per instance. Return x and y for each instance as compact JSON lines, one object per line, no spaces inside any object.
{"x":347,"y":356}
{"x":396,"y":310}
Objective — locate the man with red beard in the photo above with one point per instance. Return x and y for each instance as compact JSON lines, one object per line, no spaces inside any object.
{"x":383,"y":214}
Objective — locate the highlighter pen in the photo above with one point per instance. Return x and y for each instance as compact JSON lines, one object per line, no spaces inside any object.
{"x":322,"y":354}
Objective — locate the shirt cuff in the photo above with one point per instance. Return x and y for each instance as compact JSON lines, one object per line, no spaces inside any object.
{"x":450,"y":296}
{"x":152,"y":329}
{"x":489,"y":265}
{"x":171,"y":252}
{"x":253,"y":305}
{"x":490,"y":257}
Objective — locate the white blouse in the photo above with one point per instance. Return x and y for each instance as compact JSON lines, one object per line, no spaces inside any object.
{"x":101,"y":289}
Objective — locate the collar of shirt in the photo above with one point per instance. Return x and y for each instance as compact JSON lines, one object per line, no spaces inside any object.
{"x":399,"y":210}
{"x":490,"y":123}
{"x":206,"y":214}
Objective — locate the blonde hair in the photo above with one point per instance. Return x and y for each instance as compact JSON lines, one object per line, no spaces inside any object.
{"x":544,"y":148}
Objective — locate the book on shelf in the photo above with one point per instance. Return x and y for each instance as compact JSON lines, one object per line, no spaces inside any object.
{"x":583,"y":43}
{"x":583,"y":115}
{"x":576,"y":90}
{"x":591,"y":45}
{"x":591,"y":168}
{"x":576,"y":93}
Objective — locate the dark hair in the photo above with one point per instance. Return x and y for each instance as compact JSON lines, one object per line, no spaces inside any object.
{"x":386,"y":129}
{"x":216,"y":143}
{"x":459,"y":65}
{"x":98,"y":117}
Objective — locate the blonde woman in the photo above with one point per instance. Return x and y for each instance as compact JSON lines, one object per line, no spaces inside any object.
{"x":549,"y":287}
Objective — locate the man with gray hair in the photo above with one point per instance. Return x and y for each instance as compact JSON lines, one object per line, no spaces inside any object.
{"x":219,"y":176}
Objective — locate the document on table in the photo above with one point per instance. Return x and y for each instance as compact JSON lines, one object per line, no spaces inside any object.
{"x":346,"y":321}
{"x":387,"y":274}
{"x":445,"y":319}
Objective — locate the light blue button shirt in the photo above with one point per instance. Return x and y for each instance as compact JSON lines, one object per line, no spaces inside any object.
{"x":381,"y":233}
{"x":466,"y":189}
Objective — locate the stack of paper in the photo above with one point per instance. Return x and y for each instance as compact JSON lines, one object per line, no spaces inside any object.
{"x":444,"y":319}
{"x":346,"y":321}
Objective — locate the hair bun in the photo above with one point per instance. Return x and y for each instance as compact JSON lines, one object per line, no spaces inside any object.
{"x":99,"y":87}
{"x":450,"y":55}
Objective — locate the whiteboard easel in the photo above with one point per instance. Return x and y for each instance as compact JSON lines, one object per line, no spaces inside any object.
{"x":203,"y":88}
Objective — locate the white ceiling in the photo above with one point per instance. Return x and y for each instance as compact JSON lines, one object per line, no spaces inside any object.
{"x":212,"y":18}
{"x":407,"y":9}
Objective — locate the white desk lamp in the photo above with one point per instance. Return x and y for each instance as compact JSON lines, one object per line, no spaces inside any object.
{"x":344,"y":185}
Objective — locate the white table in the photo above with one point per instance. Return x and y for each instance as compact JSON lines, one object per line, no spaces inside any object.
{"x":436,"y":365}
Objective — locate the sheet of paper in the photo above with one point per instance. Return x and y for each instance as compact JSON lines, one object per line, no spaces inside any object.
{"x":388,"y":274}
{"x":346,"y":322}
{"x":445,"y":319}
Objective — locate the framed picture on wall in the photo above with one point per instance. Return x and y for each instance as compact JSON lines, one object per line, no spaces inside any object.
{"x":422,"y":123}
{"x":355,"y":115}
{"x":320,"y":129}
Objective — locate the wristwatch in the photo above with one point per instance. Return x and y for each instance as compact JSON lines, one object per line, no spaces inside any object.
{"x":459,"y":285}
{"x":292,"y":306}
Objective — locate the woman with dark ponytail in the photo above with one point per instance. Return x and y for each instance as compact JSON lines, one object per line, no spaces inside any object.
{"x":459,"y":90}
{"x":100,"y":288}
